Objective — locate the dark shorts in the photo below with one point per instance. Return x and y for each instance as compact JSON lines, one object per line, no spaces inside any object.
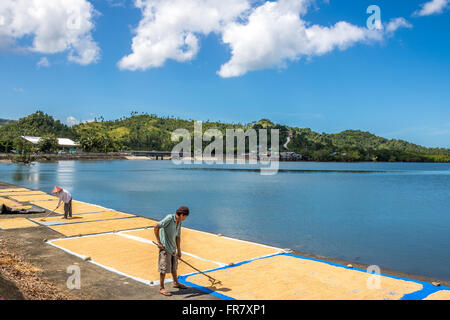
{"x":68,"y":209}
{"x":167,"y":263}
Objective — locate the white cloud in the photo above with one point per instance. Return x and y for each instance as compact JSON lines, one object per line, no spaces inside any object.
{"x":43,"y":62}
{"x":72,"y":121}
{"x":261,"y":34}
{"x":18,"y":90}
{"x":432,"y":7}
{"x":276,"y":34}
{"x":170,"y":29}
{"x":55,"y":26}
{"x":395,"y":24}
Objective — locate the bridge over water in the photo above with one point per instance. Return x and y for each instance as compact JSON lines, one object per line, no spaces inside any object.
{"x":157,"y":154}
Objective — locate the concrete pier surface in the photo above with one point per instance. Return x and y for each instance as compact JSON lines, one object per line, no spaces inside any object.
{"x":117,"y":259}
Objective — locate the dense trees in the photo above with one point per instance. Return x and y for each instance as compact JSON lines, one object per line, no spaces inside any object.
{"x":355,"y":145}
{"x":150,"y":132}
{"x":48,"y":143}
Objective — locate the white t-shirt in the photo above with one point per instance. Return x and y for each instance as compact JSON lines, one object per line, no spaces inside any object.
{"x":64,"y":196}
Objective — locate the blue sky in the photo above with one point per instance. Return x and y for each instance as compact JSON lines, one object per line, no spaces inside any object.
{"x":396,"y":86}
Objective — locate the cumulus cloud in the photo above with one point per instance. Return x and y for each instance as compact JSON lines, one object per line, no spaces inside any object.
{"x":54,"y":26}
{"x":395,"y":24}
{"x":43,"y":62}
{"x":432,"y":7}
{"x":276,"y":33}
{"x":170,"y":29}
{"x":260,"y":34}
{"x":72,"y":121}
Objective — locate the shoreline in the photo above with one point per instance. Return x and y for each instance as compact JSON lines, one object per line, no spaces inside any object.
{"x":7,"y":158}
{"x":32,"y":242}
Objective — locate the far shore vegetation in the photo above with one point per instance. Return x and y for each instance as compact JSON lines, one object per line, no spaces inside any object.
{"x":151,"y":132}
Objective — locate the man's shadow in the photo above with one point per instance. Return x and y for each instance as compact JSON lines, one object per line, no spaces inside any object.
{"x":193,"y":292}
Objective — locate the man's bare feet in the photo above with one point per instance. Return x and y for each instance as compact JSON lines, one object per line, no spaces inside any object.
{"x":164,"y":292}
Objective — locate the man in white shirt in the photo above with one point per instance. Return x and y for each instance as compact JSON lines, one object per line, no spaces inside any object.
{"x":66,"y":197}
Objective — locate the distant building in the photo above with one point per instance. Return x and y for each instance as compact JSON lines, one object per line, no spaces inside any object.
{"x":290,"y":156}
{"x":64,"y":143}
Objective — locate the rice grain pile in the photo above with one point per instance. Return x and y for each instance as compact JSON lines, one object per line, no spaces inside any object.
{"x":26,"y":277}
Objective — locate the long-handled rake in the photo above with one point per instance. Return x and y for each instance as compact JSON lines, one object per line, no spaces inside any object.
{"x":211,"y":279}
{"x":53,"y":211}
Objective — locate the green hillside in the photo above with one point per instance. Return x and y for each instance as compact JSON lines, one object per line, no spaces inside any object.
{"x":150,"y":132}
{"x":4,"y":121}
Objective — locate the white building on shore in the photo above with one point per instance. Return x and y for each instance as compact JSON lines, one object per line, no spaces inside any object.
{"x":64,"y":143}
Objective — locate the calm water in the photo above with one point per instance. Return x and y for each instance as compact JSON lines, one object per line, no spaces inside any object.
{"x":396,"y":216}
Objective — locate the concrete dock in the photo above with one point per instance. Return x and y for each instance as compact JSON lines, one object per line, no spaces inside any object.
{"x":118,"y":260}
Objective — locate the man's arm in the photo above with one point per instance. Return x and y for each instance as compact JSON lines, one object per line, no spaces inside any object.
{"x":178,"y":242}
{"x":59,"y":203}
{"x":158,"y":240}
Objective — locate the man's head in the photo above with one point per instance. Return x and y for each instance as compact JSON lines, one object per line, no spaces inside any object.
{"x":182,"y":213}
{"x":56,"y":190}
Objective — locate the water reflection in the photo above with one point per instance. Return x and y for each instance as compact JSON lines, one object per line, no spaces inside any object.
{"x":65,"y":174}
{"x":26,"y":172}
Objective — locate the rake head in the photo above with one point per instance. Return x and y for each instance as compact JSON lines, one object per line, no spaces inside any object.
{"x":214,"y":282}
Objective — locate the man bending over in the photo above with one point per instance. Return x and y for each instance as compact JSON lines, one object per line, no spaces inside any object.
{"x":66,"y":198}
